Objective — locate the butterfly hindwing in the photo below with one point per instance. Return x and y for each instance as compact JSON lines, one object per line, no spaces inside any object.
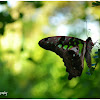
{"x":71,"y":49}
{"x":74,"y":61}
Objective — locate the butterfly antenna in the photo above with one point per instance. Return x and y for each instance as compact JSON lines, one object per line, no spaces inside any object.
{"x":97,"y":46}
{"x":86,"y":29}
{"x":99,"y":36}
{"x":95,"y":42}
{"x":99,"y":28}
{"x":89,"y":31}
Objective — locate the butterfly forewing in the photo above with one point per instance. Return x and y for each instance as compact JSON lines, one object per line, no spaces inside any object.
{"x":54,"y":44}
{"x":74,"y":60}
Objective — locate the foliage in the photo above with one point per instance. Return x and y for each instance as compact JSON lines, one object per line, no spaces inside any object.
{"x":97,"y":3}
{"x":27,"y":70}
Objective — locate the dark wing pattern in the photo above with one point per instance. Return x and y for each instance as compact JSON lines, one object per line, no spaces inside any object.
{"x":71,"y":49}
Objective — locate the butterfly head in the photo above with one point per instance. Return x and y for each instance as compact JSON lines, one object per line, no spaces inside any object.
{"x":89,"y":44}
{"x":89,"y":40}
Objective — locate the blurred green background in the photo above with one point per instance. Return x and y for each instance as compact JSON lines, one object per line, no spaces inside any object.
{"x":29,"y":71}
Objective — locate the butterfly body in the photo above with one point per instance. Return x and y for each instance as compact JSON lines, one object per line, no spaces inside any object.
{"x":72,"y":50}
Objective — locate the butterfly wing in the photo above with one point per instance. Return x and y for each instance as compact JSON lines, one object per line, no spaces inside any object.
{"x":55,"y":44}
{"x":71,"y":49}
{"x":74,"y":61}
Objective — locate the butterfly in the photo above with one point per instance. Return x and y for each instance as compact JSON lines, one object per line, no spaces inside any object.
{"x":72,"y":50}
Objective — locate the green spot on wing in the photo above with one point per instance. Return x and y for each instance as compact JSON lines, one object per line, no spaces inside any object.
{"x":60,"y":45}
{"x":79,"y":42}
{"x":74,"y":43}
{"x":65,"y":47}
{"x":80,"y":47}
{"x":51,"y":42}
{"x":70,"y":47}
{"x":79,"y":54}
{"x":58,"y":39}
{"x":74,"y":40}
{"x":55,"y":44}
{"x":62,"y":42}
{"x":69,"y":42}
